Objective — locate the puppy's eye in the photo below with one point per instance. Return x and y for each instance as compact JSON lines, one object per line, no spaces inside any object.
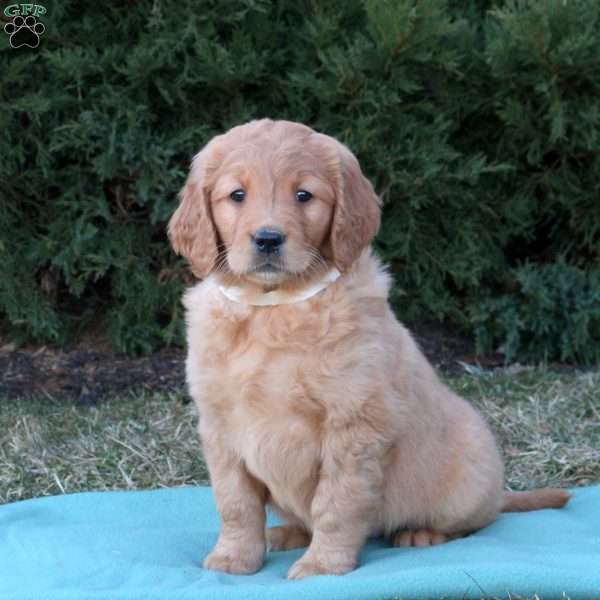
{"x":238,"y":195}
{"x":303,"y":196}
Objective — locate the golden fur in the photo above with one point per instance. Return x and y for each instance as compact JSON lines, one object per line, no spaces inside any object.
{"x":325,"y":408}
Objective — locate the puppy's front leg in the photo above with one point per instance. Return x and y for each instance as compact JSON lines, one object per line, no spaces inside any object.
{"x":348,"y":496}
{"x":240,"y":500}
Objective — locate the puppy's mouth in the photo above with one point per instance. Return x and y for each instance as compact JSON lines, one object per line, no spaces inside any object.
{"x":275,"y":263}
{"x":268,"y":268}
{"x":268,"y":272}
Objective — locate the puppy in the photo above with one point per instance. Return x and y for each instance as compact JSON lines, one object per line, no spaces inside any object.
{"x":312,"y":397}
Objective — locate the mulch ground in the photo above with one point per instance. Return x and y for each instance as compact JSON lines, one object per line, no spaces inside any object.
{"x":88,"y":375}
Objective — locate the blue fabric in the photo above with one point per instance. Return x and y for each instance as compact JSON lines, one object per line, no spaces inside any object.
{"x":150,"y":545}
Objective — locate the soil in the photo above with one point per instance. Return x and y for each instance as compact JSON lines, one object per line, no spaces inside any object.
{"x":88,"y":374}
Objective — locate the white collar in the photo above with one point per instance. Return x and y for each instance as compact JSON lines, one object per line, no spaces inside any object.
{"x":275,"y":297}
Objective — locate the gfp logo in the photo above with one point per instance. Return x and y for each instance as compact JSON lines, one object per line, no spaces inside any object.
{"x":25,"y":29}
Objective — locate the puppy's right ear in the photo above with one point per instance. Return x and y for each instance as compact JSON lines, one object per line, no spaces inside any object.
{"x":191,"y":228}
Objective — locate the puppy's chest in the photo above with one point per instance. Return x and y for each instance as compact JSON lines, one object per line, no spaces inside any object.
{"x":273,"y":425}
{"x":264,"y":363}
{"x":265,"y":390}
{"x":261,"y":392}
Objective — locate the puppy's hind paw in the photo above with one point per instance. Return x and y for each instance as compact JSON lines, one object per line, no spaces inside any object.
{"x":287,"y":537}
{"x":419,"y":538}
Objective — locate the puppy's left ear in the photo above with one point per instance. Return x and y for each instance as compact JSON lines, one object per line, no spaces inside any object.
{"x":357,"y":212}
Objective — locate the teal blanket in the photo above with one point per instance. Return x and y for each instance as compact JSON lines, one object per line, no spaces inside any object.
{"x":150,"y":545}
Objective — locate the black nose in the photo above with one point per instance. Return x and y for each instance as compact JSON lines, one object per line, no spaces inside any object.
{"x":268,"y":240}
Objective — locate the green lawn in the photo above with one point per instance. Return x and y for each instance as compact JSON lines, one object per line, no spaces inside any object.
{"x":548,"y":425}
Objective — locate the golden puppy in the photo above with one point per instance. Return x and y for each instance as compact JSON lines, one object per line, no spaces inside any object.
{"x":312,"y":397}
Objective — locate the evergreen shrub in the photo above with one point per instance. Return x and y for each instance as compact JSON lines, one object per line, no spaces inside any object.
{"x":478,"y":122}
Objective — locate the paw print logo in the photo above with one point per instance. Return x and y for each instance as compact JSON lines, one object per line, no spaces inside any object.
{"x":24,"y":31}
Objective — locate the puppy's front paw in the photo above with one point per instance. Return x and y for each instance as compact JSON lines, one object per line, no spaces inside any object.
{"x":237,"y":562}
{"x":308,"y":566}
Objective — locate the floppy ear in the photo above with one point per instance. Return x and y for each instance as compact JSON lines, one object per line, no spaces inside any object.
{"x":191,"y":228}
{"x":357,"y":212}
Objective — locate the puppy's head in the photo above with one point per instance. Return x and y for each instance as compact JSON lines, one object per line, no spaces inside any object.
{"x":273,"y":202}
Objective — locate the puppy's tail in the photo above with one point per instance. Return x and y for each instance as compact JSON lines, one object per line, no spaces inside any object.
{"x":535,"y":499}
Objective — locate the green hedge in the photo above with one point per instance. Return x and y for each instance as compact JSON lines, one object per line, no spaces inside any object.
{"x":477,"y":121}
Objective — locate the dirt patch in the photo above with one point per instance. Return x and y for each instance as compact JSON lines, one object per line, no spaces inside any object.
{"x":88,"y":375}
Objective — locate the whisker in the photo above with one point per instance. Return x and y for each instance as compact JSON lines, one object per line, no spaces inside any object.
{"x":221,"y":265}
{"x":317,"y":262}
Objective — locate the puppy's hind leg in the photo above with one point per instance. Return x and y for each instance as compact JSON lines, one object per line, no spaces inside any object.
{"x":289,"y":536}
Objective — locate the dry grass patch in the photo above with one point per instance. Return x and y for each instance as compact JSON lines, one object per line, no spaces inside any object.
{"x":547,"y":424}
{"x":145,"y":441}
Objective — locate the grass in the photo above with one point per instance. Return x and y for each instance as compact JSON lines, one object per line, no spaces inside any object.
{"x":144,"y":441}
{"x":548,"y":425}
